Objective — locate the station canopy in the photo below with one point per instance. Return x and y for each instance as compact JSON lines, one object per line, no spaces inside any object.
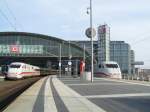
{"x":23,"y":44}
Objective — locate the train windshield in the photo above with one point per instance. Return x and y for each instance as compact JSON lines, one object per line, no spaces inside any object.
{"x":14,"y":66}
{"x":111,"y":65}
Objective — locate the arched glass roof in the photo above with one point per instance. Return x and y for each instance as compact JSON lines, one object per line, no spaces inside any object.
{"x":23,"y":44}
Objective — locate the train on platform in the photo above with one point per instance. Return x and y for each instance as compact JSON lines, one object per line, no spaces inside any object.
{"x":108,"y":69}
{"x":19,"y":70}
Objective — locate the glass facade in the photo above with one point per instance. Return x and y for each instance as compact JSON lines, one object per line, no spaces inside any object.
{"x":29,"y":44}
{"x":121,"y":53}
{"x":103,"y":43}
{"x":87,"y":45}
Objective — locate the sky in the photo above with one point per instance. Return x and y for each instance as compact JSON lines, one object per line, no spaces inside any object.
{"x":129,"y":20}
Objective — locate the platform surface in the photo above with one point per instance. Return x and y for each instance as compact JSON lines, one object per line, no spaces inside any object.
{"x":51,"y":95}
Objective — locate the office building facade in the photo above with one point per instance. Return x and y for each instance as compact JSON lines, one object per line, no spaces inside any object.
{"x":103,"y":43}
{"x":121,"y":53}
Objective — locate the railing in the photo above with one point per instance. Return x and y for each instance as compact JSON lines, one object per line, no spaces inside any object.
{"x":136,"y":77}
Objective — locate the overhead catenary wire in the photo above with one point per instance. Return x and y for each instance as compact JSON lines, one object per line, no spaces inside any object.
{"x":12,"y":15}
{"x":7,"y":19}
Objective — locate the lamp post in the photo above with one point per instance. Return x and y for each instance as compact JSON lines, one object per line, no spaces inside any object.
{"x":69,"y":62}
{"x":90,"y":33}
{"x":60,"y":63}
{"x":91,"y":26}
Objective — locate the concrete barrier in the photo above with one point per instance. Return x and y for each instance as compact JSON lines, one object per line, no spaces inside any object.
{"x":86,"y":76}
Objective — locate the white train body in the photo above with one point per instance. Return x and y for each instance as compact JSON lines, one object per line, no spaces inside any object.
{"x":108,"y":69}
{"x":18,"y":70}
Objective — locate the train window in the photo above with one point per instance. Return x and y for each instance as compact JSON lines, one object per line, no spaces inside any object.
{"x":14,"y":66}
{"x":23,"y":66}
{"x":37,"y":69}
{"x":115,"y":66}
{"x":100,"y":66}
{"x":111,"y":65}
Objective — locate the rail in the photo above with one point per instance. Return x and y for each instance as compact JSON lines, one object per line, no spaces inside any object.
{"x":9,"y":90}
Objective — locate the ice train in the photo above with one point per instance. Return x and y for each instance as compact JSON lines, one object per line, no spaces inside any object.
{"x":18,"y":70}
{"x":108,"y":69}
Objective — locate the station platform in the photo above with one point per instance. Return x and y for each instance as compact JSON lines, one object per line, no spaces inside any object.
{"x":51,"y":95}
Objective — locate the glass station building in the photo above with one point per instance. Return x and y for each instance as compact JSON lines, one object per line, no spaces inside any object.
{"x":36,"y":49}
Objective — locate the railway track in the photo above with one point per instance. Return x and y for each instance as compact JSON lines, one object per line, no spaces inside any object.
{"x":9,"y":90}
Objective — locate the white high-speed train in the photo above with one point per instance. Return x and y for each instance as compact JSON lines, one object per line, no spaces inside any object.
{"x":108,"y":69}
{"x":18,"y":70}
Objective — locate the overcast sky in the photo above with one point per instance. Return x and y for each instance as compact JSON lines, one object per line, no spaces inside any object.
{"x":129,"y":20}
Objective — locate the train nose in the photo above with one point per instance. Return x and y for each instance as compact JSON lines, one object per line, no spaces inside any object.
{"x":12,"y":75}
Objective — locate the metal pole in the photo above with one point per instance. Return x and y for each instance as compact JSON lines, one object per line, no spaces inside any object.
{"x":91,"y":25}
{"x":60,"y":61}
{"x":70,"y":63}
{"x":76,"y":67}
{"x":84,"y":53}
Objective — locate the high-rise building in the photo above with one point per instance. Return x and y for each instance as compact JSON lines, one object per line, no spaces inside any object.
{"x":103,"y":43}
{"x":121,"y":53}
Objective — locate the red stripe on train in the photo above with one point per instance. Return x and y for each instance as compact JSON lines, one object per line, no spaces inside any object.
{"x":101,"y":74}
{"x":27,"y":73}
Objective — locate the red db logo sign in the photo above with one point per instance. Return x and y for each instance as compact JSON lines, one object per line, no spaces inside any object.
{"x":14,"y":48}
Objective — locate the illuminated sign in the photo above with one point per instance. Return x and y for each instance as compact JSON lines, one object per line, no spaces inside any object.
{"x":14,"y":48}
{"x":21,"y":49}
{"x":102,"y":30}
{"x":31,"y":49}
{"x":4,"y":49}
